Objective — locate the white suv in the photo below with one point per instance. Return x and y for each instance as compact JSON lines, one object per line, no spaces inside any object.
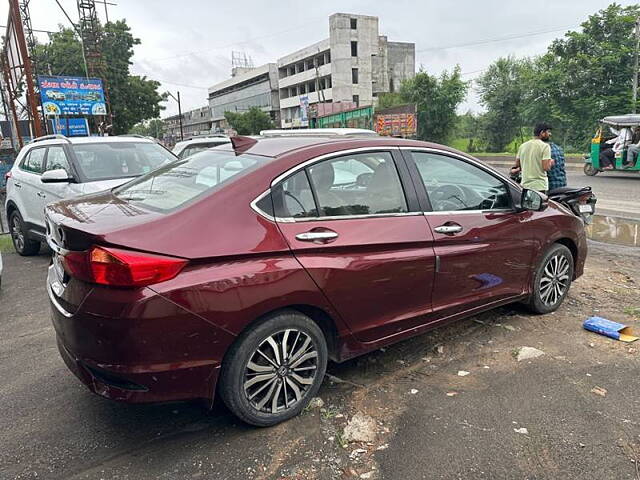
{"x":188,"y":147}
{"x":55,"y":167}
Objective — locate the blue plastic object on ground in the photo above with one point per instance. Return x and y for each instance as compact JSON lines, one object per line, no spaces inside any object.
{"x":610,"y":329}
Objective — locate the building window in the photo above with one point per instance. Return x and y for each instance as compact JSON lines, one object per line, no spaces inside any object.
{"x":354,"y":49}
{"x":303,"y":88}
{"x":356,"y":100}
{"x":354,"y":75}
{"x":354,"y":23}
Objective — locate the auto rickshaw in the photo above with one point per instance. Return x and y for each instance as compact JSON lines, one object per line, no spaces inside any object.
{"x":599,"y":143}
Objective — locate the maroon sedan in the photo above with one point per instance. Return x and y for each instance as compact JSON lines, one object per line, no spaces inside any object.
{"x":243,"y":269}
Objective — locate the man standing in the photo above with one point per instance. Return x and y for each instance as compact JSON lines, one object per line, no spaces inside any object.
{"x":534,"y":159}
{"x":557,"y":175}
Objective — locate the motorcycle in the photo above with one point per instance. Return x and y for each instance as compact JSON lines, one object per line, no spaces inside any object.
{"x":580,"y":200}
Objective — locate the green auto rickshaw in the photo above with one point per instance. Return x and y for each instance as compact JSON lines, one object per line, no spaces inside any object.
{"x":601,"y":142}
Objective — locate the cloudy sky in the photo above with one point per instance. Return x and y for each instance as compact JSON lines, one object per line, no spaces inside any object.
{"x":187,"y":44}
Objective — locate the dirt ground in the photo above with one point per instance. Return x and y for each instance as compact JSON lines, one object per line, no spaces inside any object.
{"x":428,"y":418}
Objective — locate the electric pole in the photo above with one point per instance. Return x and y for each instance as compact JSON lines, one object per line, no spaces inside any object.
{"x":177,"y":99}
{"x":635,"y":66}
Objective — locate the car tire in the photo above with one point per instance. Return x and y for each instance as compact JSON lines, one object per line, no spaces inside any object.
{"x":590,"y":170}
{"x":21,"y":241}
{"x":552,"y":280}
{"x":290,"y":377}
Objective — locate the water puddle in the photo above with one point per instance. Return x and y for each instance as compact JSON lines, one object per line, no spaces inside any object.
{"x":620,"y":231}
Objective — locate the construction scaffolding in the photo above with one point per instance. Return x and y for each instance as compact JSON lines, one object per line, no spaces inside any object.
{"x":91,"y":36}
{"x":18,"y":74}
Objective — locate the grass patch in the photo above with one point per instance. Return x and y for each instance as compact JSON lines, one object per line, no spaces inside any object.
{"x":6,"y":245}
{"x":633,"y":311}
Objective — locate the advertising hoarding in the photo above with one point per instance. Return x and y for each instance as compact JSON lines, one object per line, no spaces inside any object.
{"x":72,"y":96}
{"x":71,"y":127}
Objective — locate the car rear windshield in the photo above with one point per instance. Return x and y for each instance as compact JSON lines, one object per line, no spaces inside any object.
{"x":101,"y":161}
{"x":184,"y":181}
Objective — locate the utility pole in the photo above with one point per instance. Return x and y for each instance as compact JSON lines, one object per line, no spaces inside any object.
{"x":26,"y":64}
{"x":177,"y":99}
{"x":635,"y":66}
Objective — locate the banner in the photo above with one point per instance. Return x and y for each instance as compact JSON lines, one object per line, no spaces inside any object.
{"x":71,"y":127}
{"x":72,"y":96}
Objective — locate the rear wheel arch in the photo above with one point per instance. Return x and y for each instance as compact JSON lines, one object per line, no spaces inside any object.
{"x":318,"y":315}
{"x":11,"y":207}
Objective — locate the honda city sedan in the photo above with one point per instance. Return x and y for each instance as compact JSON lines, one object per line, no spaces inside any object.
{"x":242,"y":270}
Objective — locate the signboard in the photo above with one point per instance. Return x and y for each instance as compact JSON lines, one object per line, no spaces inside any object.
{"x":72,"y":96}
{"x":396,"y":124}
{"x":71,"y":127}
{"x":304,"y":107}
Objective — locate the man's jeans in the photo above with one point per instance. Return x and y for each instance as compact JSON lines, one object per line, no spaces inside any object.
{"x":632,"y":154}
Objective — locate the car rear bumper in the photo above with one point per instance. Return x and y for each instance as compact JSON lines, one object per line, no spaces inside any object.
{"x":143,"y":383}
{"x":154,"y":351}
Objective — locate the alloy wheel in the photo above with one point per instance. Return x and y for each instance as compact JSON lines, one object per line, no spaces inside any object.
{"x":16,"y":233}
{"x":555,"y":280}
{"x":281,"y":370}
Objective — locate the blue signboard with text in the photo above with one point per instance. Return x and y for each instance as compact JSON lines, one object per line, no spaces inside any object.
{"x":71,"y":127}
{"x":72,"y":96}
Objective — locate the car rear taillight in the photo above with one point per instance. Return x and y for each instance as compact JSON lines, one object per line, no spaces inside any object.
{"x":121,"y":268}
{"x":7,"y":176}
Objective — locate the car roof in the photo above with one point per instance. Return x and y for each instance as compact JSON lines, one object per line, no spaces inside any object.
{"x":60,"y":140}
{"x":278,"y":146}
{"x":194,"y":140}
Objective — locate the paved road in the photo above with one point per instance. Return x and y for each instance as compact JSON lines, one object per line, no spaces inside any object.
{"x":51,"y":427}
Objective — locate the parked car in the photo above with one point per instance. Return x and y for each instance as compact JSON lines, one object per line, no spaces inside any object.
{"x":241,"y":270}
{"x":55,"y":167}
{"x":197,"y":144}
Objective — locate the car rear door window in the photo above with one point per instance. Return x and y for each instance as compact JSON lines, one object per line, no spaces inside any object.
{"x":357,"y":184}
{"x":57,"y":159}
{"x":34,"y":162}
{"x":455,"y":185}
{"x":294,"y":198}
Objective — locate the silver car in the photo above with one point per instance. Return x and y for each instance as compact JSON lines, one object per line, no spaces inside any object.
{"x":55,"y":167}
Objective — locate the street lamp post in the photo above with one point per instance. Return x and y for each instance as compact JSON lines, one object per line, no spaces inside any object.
{"x":177,"y":99}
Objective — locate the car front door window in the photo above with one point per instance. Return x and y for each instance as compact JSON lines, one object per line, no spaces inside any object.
{"x":57,"y":159}
{"x":455,"y":185}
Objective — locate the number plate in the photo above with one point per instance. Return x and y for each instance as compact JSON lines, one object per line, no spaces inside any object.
{"x":585,"y":208}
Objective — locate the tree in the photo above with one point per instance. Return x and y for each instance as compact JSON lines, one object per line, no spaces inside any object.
{"x":390,"y":99}
{"x":133,"y":98}
{"x":436,"y":99}
{"x":501,"y":89}
{"x":584,"y":76}
{"x":249,"y":122}
{"x":149,"y":128}
{"x":470,"y":126}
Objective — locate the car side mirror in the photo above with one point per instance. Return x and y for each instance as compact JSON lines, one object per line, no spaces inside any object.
{"x":533,"y":200}
{"x":58,"y":175}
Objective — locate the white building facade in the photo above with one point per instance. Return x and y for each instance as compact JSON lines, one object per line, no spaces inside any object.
{"x":353,"y":66}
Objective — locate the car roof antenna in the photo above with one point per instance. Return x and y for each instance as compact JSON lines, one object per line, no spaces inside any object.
{"x":241,"y":144}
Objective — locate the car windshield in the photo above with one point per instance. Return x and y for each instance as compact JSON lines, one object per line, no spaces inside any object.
{"x":107,"y":160}
{"x":183,"y":181}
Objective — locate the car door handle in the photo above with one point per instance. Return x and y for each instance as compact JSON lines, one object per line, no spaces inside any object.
{"x":316,"y":236}
{"x":448,"y":229}
{"x":17,"y":185}
{"x":41,"y":195}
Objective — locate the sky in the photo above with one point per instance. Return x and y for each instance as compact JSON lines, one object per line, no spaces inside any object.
{"x":187,"y":44}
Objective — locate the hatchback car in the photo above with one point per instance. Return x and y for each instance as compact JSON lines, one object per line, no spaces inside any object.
{"x":243,"y":269}
{"x":193,"y":145}
{"x":55,"y":167}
